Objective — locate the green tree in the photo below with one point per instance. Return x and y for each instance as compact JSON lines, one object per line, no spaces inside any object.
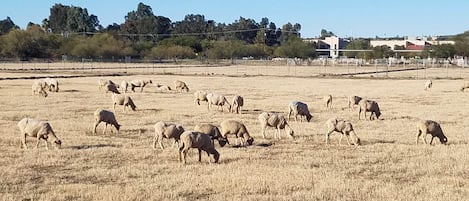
{"x":192,"y":24}
{"x":380,"y":52}
{"x":462,"y":44}
{"x":443,"y":51}
{"x":25,"y":44}
{"x":63,"y":19}
{"x":6,"y":25}
{"x":359,"y":44}
{"x":145,"y":24}
{"x":325,"y":33}
{"x":244,"y":29}
{"x":295,"y":47}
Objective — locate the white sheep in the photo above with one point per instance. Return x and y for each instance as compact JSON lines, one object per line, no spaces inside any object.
{"x":428,"y":85}
{"x":163,"y":87}
{"x":124,"y":86}
{"x":124,"y":100}
{"x":201,"y":141}
{"x":213,"y":131}
{"x":430,"y":127}
{"x":103,"y":82}
{"x":328,"y":101}
{"x":353,"y":100}
{"x":200,"y":95}
{"x":52,"y":84}
{"x":278,"y":121}
{"x":166,"y":130}
{"x":236,"y":103}
{"x":217,"y":99}
{"x":39,"y":88}
{"x":181,"y":86}
{"x":38,"y":129}
{"x":342,"y":126}
{"x":465,"y":85}
{"x":299,"y":108}
{"x":369,"y":106}
{"x":107,"y":117}
{"x":139,"y":83}
{"x":236,"y":128}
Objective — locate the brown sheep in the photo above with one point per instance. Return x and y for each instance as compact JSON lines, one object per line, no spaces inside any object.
{"x":107,"y":117}
{"x":299,"y":108}
{"x":353,"y":100}
{"x":166,"y":130}
{"x":369,"y":106}
{"x":201,"y":141}
{"x":274,"y":120}
{"x":124,"y":100}
{"x":213,"y":131}
{"x":180,"y":86}
{"x":236,"y":104}
{"x":236,"y":128}
{"x":328,"y":101}
{"x":38,"y":129}
{"x":430,"y":127}
{"x":342,"y":126}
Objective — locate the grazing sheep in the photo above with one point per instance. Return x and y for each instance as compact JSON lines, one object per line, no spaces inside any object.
{"x":139,"y":83}
{"x":200,"y":96}
{"x":342,"y":126}
{"x":274,"y":120}
{"x":428,"y":84}
{"x":180,"y":86}
{"x":166,"y":130}
{"x":39,"y":88}
{"x":369,"y":106}
{"x":430,"y":127}
{"x":299,"y":108}
{"x":217,"y":99}
{"x":124,"y":86}
{"x":328,"y":101}
{"x":213,"y":131}
{"x":236,"y":103}
{"x":111,"y":88}
{"x":102,"y":83}
{"x":238,"y":129}
{"x":201,"y":141}
{"x":52,"y":84}
{"x":465,"y":85}
{"x":124,"y":100}
{"x":163,"y":87}
{"x":38,"y":129}
{"x":106,"y":117}
{"x":353,"y":100}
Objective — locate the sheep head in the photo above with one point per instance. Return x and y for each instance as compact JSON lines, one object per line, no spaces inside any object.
{"x":308,"y":117}
{"x":250,"y":140}
{"x":443,"y":139}
{"x":58,"y":143}
{"x":222,"y":141}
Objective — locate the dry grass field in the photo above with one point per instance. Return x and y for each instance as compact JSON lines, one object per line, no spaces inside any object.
{"x":124,"y":166}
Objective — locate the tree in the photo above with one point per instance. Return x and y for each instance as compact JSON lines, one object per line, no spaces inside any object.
{"x":380,"y":52}
{"x":443,"y":51}
{"x":244,"y":29}
{"x":192,"y":24}
{"x":295,"y":47}
{"x":145,"y":24}
{"x":462,"y":44}
{"x":6,"y":25}
{"x":64,"y":19}
{"x":325,"y":33}
{"x":359,"y":44}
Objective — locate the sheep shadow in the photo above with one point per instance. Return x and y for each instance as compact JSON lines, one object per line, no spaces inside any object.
{"x":93,"y":146}
{"x":70,"y":91}
{"x":377,"y":141}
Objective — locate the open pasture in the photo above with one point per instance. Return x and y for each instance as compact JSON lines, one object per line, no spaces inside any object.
{"x":387,"y":166}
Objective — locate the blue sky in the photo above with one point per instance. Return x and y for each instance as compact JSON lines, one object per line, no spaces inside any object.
{"x":357,"y":18}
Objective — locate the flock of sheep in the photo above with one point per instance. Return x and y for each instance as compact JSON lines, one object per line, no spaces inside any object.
{"x":203,"y":136}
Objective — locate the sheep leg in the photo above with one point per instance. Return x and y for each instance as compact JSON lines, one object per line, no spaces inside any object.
{"x":105,"y":127}
{"x":175,"y":142}
{"x":431,"y":141}
{"x":263,"y":127}
{"x":424,"y":136}
{"x":24,"y":141}
{"x":277,"y":132}
{"x":95,"y":125}
{"x":348,"y":137}
{"x":418,"y":136}
{"x":47,"y":144}
{"x":200,"y":155}
{"x":327,"y":135}
{"x":160,"y":141}
{"x":357,"y":142}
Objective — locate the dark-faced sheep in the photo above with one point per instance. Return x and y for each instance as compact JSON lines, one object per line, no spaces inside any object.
{"x":181,"y":86}
{"x":430,"y":127}
{"x":166,"y":130}
{"x":217,"y":99}
{"x":299,"y":108}
{"x":38,"y":129}
{"x":39,"y":88}
{"x":238,"y":129}
{"x":124,"y":100}
{"x":52,"y":84}
{"x":201,"y":141}
{"x":107,"y":117}
{"x":139,"y":83}
{"x":103,"y":82}
{"x":200,"y":95}
{"x":213,"y":131}
{"x":267,"y":119}
{"x":369,"y":106}
{"x":236,"y":104}
{"x":328,"y":101}
{"x":428,"y":85}
{"x":465,"y":85}
{"x":111,"y":88}
{"x":342,"y":126}
{"x":353,"y":100}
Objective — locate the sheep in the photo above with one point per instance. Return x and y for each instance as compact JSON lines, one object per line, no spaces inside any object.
{"x":238,"y":129}
{"x":217,"y":99}
{"x":52,"y":84}
{"x":236,"y":103}
{"x":124,"y":100}
{"x":39,"y":129}
{"x":201,"y":141}
{"x":103,"y":82}
{"x":328,"y":101}
{"x":180,"y":86}
{"x":111,"y":88}
{"x":274,"y":120}
{"x":465,"y":85}
{"x":428,"y":85}
{"x":166,"y":130}
{"x":163,"y":87}
{"x":39,"y":88}
{"x":342,"y":126}
{"x":139,"y":83}
{"x":124,"y":86}
{"x":430,"y":127}
{"x":213,"y":131}
{"x":369,"y":106}
{"x":299,"y":108}
{"x":107,"y":117}
{"x":353,"y":100}
{"x":200,"y":96}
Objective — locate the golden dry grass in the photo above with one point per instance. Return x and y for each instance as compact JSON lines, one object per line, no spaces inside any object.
{"x":388,"y":166}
